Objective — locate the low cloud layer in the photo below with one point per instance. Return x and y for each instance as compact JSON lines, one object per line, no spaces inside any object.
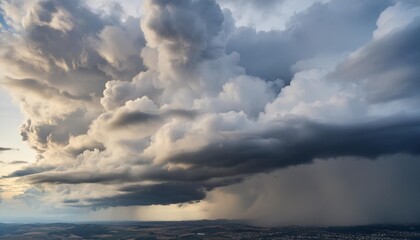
{"x":174,"y":106}
{"x":2,"y":149}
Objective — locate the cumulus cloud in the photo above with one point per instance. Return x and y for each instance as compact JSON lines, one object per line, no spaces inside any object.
{"x":265,"y":15}
{"x":167,"y":108}
{"x":386,"y":67}
{"x":323,"y":29}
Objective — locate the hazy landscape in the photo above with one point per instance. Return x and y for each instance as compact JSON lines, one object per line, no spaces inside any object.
{"x":200,"y":230}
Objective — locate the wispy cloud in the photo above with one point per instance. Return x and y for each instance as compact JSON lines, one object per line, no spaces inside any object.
{"x":3,"y":149}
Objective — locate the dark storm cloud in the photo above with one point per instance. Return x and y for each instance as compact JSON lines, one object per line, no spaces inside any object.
{"x":388,"y":67}
{"x":300,"y":141}
{"x":70,"y":201}
{"x":79,"y":177}
{"x":162,"y":194}
{"x":205,"y":176}
{"x":131,"y":118}
{"x":195,"y":121}
{"x":322,"y":29}
{"x":290,"y":143}
{"x":135,"y":118}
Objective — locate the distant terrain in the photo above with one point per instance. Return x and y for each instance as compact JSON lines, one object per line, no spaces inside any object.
{"x":200,"y":230}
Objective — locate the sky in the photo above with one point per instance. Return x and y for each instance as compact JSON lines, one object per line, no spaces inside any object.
{"x":281,"y":112}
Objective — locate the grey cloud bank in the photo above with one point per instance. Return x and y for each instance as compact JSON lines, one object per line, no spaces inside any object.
{"x":172,"y":107}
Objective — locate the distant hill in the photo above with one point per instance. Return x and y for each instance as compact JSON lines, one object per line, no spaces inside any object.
{"x":206,"y":229}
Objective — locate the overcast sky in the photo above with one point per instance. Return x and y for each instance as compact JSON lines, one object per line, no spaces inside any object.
{"x":282,"y":112}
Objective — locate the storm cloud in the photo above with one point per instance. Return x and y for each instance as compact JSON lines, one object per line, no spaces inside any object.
{"x":172,"y":107}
